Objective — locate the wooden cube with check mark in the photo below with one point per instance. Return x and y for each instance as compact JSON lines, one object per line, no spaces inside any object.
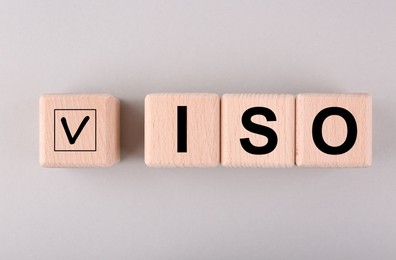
{"x":79,"y":130}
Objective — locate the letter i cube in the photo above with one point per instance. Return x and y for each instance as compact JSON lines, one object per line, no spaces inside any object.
{"x":182,"y":130}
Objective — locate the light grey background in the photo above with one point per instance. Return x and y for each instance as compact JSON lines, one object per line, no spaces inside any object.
{"x":132,"y":48}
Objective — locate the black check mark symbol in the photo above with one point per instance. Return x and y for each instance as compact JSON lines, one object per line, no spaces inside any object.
{"x":72,"y":139}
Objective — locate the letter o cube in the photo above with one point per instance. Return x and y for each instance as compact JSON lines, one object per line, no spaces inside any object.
{"x":333,"y":130}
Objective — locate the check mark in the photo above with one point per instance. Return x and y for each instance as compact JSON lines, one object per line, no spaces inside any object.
{"x":72,"y":139}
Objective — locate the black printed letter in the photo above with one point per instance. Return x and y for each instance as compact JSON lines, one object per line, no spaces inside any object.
{"x":259,"y":129}
{"x":181,"y":129}
{"x":317,"y":130}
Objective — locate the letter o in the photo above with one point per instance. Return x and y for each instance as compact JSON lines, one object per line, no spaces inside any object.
{"x":318,"y":136}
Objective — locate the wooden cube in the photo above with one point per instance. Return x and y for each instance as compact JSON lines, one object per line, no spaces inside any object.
{"x":257,"y":130}
{"x":79,"y":130}
{"x":182,"y":130}
{"x":333,"y":130}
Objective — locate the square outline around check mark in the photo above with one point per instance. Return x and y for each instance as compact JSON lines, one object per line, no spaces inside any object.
{"x":71,"y":109}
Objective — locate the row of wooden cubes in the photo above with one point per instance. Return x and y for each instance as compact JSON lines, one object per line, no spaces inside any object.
{"x":202,"y":130}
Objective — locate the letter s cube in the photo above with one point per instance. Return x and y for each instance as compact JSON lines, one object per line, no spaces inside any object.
{"x":257,"y":130}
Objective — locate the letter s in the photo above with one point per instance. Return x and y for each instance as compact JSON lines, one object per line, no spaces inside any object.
{"x":259,"y":129}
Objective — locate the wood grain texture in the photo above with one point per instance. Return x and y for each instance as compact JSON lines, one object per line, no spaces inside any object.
{"x":203,"y":130}
{"x":334,"y":130}
{"x":97,"y":145}
{"x":232,"y":108}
